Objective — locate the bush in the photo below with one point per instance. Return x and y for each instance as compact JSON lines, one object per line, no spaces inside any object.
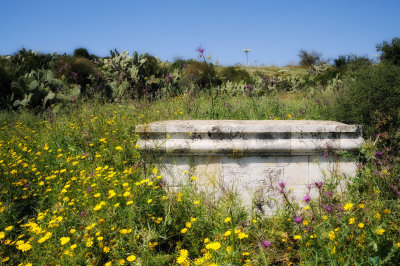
{"x":180,"y":63}
{"x":5,"y":86}
{"x":351,"y":61}
{"x":371,"y":98}
{"x":201,"y":74}
{"x":81,"y":52}
{"x":235,"y":74}
{"x":390,"y":51}
{"x":76,"y":70}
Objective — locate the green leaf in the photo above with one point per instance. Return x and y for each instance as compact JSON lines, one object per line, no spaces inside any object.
{"x":16,"y":103}
{"x":49,"y":96}
{"x":26,"y":100}
{"x":374,"y":260}
{"x":21,"y":83}
{"x":34,"y":84}
{"x":49,"y":75}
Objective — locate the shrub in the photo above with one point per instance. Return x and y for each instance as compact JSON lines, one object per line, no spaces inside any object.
{"x":309,"y":58}
{"x":390,"y":51}
{"x":371,"y":98}
{"x":235,"y":74}
{"x":76,"y":70}
{"x":180,"y":63}
{"x":200,"y":74}
{"x":81,"y":52}
{"x":5,"y":86}
{"x":350,"y":62}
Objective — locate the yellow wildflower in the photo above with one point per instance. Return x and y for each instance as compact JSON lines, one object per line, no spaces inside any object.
{"x":89,"y":242}
{"x":111,"y":193}
{"x":183,"y":254}
{"x":213,"y":245}
{"x":331,"y":235}
{"x":348,"y":206}
{"x":380,"y":231}
{"x":242,"y":235}
{"x":131,"y":258}
{"x":21,"y":245}
{"x":64,"y":240}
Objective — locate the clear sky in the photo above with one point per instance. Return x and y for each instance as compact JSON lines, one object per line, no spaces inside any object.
{"x":274,"y":30}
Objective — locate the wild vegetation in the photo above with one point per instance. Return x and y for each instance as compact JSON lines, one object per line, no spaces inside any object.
{"x":75,"y":187}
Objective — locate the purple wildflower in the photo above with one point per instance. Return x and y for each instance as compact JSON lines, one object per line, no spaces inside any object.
{"x":82,"y":213}
{"x":249,"y":87}
{"x":307,"y":198}
{"x":282,"y":184}
{"x":168,"y":77}
{"x":298,"y":219}
{"x":328,"y":208}
{"x":318,"y":184}
{"x":200,"y":50}
{"x":378,"y":154}
{"x":266,"y":243}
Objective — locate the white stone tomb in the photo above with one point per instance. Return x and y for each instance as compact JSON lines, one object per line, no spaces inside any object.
{"x":251,"y":157}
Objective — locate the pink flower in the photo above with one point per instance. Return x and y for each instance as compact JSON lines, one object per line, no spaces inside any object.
{"x":266,"y":243}
{"x":200,"y":50}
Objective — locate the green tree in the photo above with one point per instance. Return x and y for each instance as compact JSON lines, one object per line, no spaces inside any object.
{"x":390,"y":51}
{"x":309,"y":58}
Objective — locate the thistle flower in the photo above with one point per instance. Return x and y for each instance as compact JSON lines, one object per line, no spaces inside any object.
{"x":266,"y":243}
{"x":307,"y":198}
{"x":298,"y":219}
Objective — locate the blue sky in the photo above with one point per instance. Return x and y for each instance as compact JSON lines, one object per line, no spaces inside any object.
{"x":274,"y":30}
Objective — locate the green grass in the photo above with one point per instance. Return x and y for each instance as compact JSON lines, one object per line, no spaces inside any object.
{"x":271,"y":71}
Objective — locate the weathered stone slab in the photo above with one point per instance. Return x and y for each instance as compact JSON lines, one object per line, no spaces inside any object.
{"x":251,"y":156}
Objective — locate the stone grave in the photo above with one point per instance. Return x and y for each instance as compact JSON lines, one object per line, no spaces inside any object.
{"x":251,"y":157}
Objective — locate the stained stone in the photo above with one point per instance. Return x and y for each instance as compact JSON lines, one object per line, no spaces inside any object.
{"x":251,"y":157}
